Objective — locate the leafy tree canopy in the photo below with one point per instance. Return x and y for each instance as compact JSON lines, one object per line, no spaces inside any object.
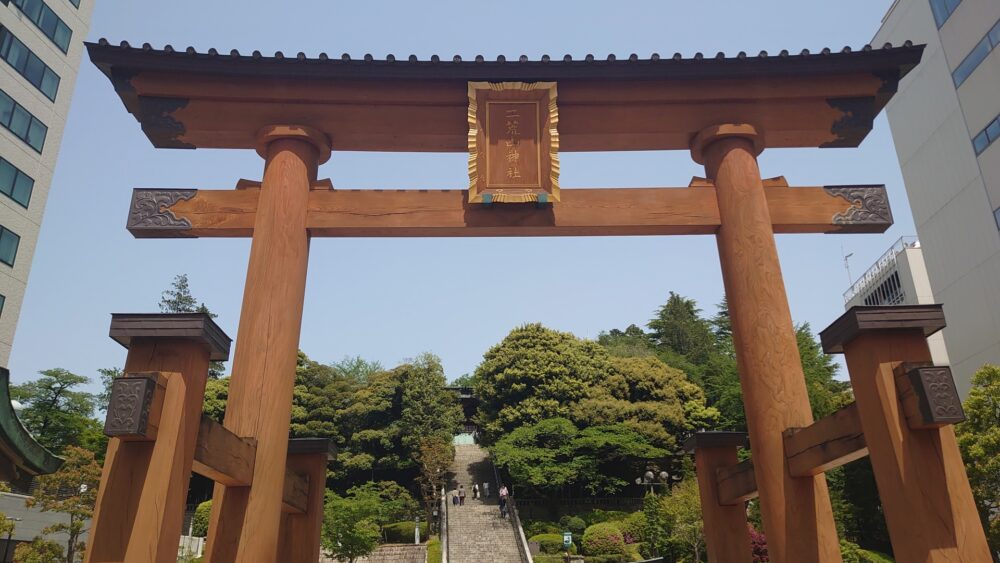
{"x":57,"y":413}
{"x":537,"y":373}
{"x":979,"y":440}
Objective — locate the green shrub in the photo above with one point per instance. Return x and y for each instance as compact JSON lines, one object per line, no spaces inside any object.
{"x":535,"y":527}
{"x":607,"y":559}
{"x":597,"y":516}
{"x":604,"y":538}
{"x":434,"y":550}
{"x":540,"y":558}
{"x":402,"y":532}
{"x":551,"y":543}
{"x":634,"y":551}
{"x":199,"y":522}
{"x":633,"y":527}
{"x":852,"y":553}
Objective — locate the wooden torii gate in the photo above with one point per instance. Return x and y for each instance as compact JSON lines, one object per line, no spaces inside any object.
{"x":295,"y":110}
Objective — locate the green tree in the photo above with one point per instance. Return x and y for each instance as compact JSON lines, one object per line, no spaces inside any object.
{"x":72,"y":490}
{"x":383,"y":502}
{"x":386,"y":419}
{"x":56,"y":412}
{"x":679,"y":329}
{"x":348,"y":530}
{"x":200,"y":520}
{"x":178,"y":299}
{"x":554,"y":454}
{"x":216,"y":397}
{"x":537,"y":373}
{"x":356,"y":369}
{"x":39,"y":550}
{"x":434,"y":455}
{"x":673,"y":521}
{"x":979,"y":440}
{"x":464,"y":380}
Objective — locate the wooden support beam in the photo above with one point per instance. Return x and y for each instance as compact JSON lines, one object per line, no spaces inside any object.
{"x":830,"y":442}
{"x":223,"y":456}
{"x":737,"y":483}
{"x":296,"y":493}
{"x":445,"y":213}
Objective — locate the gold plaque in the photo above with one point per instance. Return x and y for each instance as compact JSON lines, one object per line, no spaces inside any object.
{"x":513,"y":142}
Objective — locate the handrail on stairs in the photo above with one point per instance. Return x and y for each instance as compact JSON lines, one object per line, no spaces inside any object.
{"x":515,"y":520}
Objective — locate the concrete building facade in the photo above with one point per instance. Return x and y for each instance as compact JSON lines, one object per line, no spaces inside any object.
{"x":898,"y":277}
{"x":41,"y":42}
{"x":945,"y":123}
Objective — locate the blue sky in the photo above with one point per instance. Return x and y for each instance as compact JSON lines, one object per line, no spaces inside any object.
{"x":392,"y":299}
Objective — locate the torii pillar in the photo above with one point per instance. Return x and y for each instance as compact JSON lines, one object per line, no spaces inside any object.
{"x":245,"y":520}
{"x":798,"y":517}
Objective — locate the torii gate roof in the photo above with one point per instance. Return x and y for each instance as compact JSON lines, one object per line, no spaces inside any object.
{"x":186,"y":99}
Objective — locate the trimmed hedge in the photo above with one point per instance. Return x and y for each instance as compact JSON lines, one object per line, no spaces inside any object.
{"x":853,"y":553}
{"x":604,"y":539}
{"x":633,"y":527}
{"x":552,"y":543}
{"x":402,"y":532}
{"x":199,"y":522}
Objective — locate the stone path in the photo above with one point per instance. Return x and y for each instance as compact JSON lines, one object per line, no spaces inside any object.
{"x":476,"y":532}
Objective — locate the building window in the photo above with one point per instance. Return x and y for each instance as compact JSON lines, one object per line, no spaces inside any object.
{"x":987,"y":136}
{"x":15,"y":184}
{"x":28,"y":65}
{"x":3,"y":301}
{"x":21,"y":123}
{"x":8,"y":246}
{"x":75,"y":3}
{"x":976,"y":56}
{"x":46,"y":20}
{"x":942,"y":10}
{"x":889,"y":292}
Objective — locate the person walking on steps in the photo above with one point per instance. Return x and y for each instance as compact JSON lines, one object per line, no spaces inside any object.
{"x":486,"y":489}
{"x":461,"y":495}
{"x":503,"y":507}
{"x":475,"y":490}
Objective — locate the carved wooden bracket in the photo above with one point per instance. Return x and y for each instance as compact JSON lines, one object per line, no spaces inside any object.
{"x":928,"y":396}
{"x":135,"y":405}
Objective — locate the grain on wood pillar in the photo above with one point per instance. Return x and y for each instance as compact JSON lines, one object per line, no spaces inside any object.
{"x":727,"y":537}
{"x":140,"y":505}
{"x":300,"y":533}
{"x":797,"y":514}
{"x":245,"y":521}
{"x":928,"y":504}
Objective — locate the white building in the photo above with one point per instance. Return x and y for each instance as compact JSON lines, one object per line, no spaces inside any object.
{"x":899,"y":277}
{"x":41,"y":42}
{"x":945,"y":122}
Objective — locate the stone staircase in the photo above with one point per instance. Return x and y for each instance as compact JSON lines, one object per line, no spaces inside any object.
{"x":476,"y":532}
{"x":396,"y":554}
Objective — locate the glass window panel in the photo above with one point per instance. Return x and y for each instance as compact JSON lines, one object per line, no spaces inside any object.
{"x":979,"y":52}
{"x":33,"y":70}
{"x":993,"y":130}
{"x":8,"y":174}
{"x":994,"y":35}
{"x":996,"y":215}
{"x":5,"y":41}
{"x":75,"y":3}
{"x":36,"y":135}
{"x":17,"y":55}
{"x":8,"y":247}
{"x":3,"y":301}
{"x":22,"y":189}
{"x":31,"y":8}
{"x":980,"y":142}
{"x":940,"y":11}
{"x":50,"y":84}
{"x":6,"y":108}
{"x":62,"y":36}
{"x":48,"y":21}
{"x":20,"y":122}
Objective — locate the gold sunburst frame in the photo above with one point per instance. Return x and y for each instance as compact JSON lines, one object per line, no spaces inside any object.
{"x":477,"y":184}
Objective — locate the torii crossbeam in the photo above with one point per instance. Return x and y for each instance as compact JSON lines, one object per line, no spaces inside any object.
{"x":295,"y":110}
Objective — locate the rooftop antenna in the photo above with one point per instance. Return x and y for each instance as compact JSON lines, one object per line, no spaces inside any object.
{"x":847,"y":264}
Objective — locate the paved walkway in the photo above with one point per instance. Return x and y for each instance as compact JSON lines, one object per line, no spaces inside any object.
{"x":476,"y":532}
